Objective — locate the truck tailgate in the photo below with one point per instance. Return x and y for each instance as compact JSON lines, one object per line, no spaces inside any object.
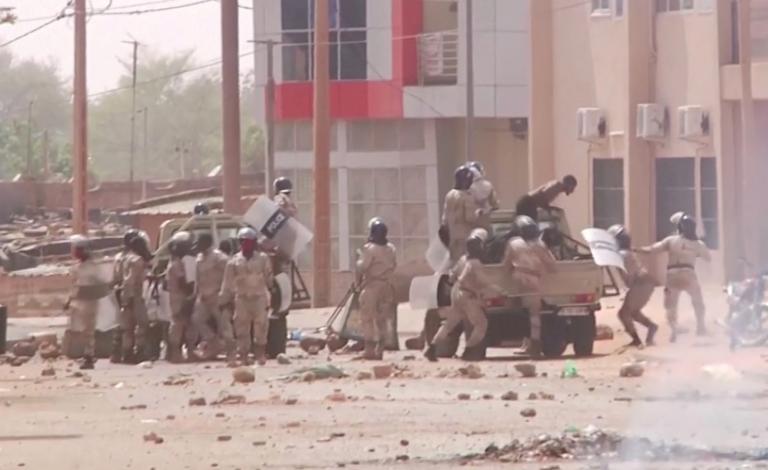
{"x":570,"y":278}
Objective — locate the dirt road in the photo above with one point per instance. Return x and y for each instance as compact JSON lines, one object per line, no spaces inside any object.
{"x":427,"y":416}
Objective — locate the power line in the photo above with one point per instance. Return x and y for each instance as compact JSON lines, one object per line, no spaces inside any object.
{"x":56,"y":18}
{"x":114,"y":9}
{"x":153,"y":10}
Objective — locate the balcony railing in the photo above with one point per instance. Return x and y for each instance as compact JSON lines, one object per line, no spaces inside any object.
{"x":439,"y":58}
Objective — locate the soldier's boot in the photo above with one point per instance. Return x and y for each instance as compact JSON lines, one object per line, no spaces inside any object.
{"x":431,"y":353}
{"x":379,"y":350}
{"x":174,"y":355}
{"x":260,"y":354}
{"x":87,"y":364}
{"x":130,"y":357}
{"x":473,"y":353}
{"x":636,"y":342}
{"x":245,"y":359}
{"x":369,"y":352}
{"x":231,"y":358}
{"x":116,"y":357}
{"x":651,"y":334}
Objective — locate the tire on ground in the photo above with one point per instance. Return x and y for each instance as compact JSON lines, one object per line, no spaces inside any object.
{"x":553,"y":338}
{"x":584,"y":330}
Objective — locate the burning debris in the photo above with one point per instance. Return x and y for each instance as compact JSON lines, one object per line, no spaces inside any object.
{"x":592,"y":443}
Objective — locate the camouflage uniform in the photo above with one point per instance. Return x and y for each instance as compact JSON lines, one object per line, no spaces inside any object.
{"x":84,"y":305}
{"x":470,"y":284}
{"x":681,"y":274}
{"x":529,"y":261}
{"x":641,"y":286}
{"x":460,"y":215}
{"x":375,"y":269}
{"x":210,"y":274}
{"x":247,"y":281}
{"x":133,"y":310}
{"x":182,"y":303}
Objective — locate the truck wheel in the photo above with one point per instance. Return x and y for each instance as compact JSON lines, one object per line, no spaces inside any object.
{"x":553,"y":341}
{"x":584,"y":330}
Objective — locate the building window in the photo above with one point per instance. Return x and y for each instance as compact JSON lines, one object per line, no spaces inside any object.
{"x":601,"y":6}
{"x":674,"y":5}
{"x":608,"y":192}
{"x":303,"y":187}
{"x":348,"y":58}
{"x":385,"y":135}
{"x":675,"y":191}
{"x":618,"y":8}
{"x":678,"y":190}
{"x":296,"y":136}
{"x":399,"y":197}
{"x":709,"y":220}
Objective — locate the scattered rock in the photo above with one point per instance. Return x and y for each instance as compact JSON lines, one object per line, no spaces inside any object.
{"x":526,"y":369}
{"x":402,"y":458}
{"x":364,"y":375}
{"x":44,"y":337}
{"x":308,"y":376}
{"x":383,"y":371}
{"x":337,"y":396}
{"x":533,"y":396}
{"x":464,"y":396}
{"x":404,"y":443}
{"x":48,"y":372}
{"x":19,"y":360}
{"x":409,"y":357}
{"x":145,"y":365}
{"x":259,"y":443}
{"x":224,"y":438}
{"x":283,"y":360}
{"x":293,"y":424}
{"x":632,"y":369}
{"x":312,"y":344}
{"x":603,"y":333}
{"x":335,"y":343}
{"x":471,"y":371}
{"x":546,"y":396}
{"x":49,"y":351}
{"x":291,"y":401}
{"x":487,"y":396}
{"x":133,"y":407}
{"x":24,"y":348}
{"x":220,"y":415}
{"x":509,"y":396}
{"x":415,"y":344}
{"x":152,"y":437}
{"x":200,"y":401}
{"x":179,"y":379}
{"x":528,"y":413}
{"x":228,"y":399}
{"x":170,"y":417}
{"x":243,"y":375}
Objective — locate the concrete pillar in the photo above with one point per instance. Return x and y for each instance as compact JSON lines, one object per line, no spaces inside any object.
{"x":230,"y":87}
{"x":541,"y":154}
{"x":638,"y":163}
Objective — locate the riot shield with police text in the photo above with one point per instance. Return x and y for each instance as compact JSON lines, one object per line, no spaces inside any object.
{"x":274,"y":224}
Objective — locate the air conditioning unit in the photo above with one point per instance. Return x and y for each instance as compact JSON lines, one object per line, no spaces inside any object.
{"x":591,"y":124}
{"x":694,"y":122}
{"x":651,"y":121}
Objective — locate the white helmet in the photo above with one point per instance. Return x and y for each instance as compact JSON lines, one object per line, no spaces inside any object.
{"x":181,"y":237}
{"x":247,"y":233}
{"x":79,"y":241}
{"x":675,"y":219}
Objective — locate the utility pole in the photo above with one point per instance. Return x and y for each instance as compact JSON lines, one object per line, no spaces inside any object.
{"x":29,"y":140}
{"x":321,"y":273}
{"x":469,"y":138}
{"x":80,"y":126}
{"x":750,"y":177}
{"x":230,"y":88}
{"x":269,"y":115}
{"x":135,"y":45}
{"x":145,"y":162}
{"x":46,"y":157}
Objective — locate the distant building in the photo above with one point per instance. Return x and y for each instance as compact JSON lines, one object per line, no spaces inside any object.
{"x":398,"y":102}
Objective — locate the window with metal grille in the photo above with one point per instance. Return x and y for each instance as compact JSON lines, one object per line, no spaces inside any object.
{"x":348,"y":55}
{"x":607,"y":192}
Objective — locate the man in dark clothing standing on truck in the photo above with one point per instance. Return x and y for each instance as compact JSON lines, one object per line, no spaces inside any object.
{"x":543,"y":196}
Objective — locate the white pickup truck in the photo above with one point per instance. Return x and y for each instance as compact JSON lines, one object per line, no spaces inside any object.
{"x":571,"y":294}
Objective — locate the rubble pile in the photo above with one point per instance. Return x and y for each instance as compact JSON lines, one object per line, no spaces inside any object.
{"x":593,"y":443}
